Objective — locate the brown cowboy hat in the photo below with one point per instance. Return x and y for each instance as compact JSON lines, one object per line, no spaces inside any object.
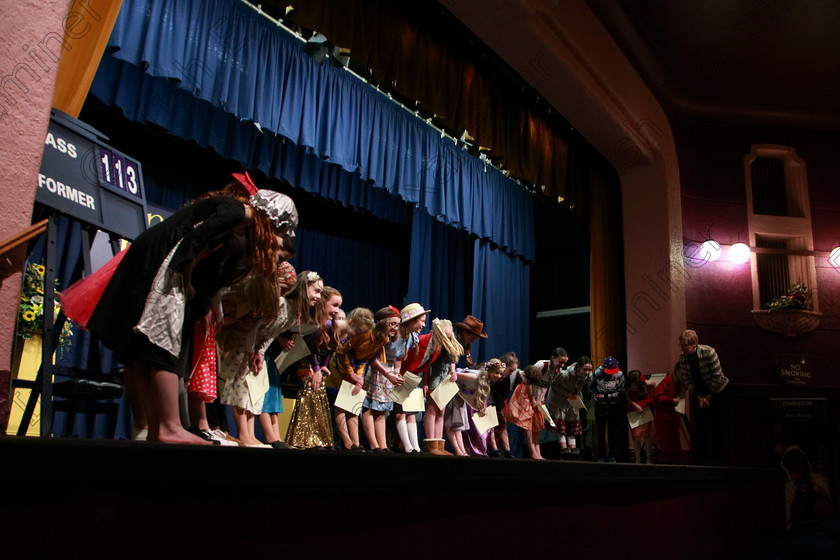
{"x":473,"y":325}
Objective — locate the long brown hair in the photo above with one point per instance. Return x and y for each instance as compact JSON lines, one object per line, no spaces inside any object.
{"x":297,"y":298}
{"x":321,"y":316}
{"x":262,"y":243}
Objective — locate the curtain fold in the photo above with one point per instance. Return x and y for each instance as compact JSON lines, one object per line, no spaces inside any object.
{"x":208,"y":71}
{"x":501,"y":299}
{"x":351,"y":266}
{"x":440,"y":268}
{"x":434,"y":64}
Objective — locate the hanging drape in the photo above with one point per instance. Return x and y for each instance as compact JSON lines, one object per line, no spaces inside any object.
{"x":607,"y":317}
{"x":415,"y":46}
{"x":501,"y":299}
{"x":441,"y":268}
{"x":224,"y":54}
{"x":352,"y":266}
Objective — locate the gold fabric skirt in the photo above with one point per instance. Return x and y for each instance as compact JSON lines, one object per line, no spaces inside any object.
{"x":311,"y":424}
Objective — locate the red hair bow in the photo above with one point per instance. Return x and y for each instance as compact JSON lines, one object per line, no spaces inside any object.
{"x":246,"y":182}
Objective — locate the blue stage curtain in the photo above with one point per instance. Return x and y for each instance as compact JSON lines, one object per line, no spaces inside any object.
{"x":355,"y":268}
{"x":501,"y":298}
{"x":440,"y":268}
{"x":200,"y":68}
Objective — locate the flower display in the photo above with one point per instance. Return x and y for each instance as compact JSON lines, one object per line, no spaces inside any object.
{"x":31,"y":312}
{"x":798,"y":296}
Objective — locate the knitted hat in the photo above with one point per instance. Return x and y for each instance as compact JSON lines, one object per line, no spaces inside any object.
{"x":286,"y":273}
{"x":611,"y":365}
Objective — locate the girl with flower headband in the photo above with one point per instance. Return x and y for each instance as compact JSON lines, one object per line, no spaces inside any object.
{"x":474,"y":390}
{"x":166,"y":279}
{"x":311,"y":423}
{"x":299,"y":320}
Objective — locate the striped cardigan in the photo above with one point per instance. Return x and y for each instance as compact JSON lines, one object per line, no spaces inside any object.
{"x":709,"y":369}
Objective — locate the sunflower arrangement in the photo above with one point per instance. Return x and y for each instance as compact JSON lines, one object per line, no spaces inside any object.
{"x":798,"y":296}
{"x":31,"y":313}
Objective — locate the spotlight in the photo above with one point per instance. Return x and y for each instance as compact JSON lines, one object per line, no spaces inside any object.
{"x":316,"y":47}
{"x":710,"y":250}
{"x":739,"y":253}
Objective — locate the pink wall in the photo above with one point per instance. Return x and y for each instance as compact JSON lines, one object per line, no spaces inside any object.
{"x":719,"y":294}
{"x":28,"y":28}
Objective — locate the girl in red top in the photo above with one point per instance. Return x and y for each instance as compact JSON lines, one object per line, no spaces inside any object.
{"x":638,"y":398}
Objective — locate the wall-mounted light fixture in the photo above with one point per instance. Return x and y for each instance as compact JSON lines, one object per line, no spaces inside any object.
{"x":739,"y":253}
{"x":834,"y":257}
{"x":710,"y":250}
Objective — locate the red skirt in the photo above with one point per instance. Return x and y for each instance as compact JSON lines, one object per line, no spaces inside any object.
{"x":81,"y":298}
{"x":203,"y":380}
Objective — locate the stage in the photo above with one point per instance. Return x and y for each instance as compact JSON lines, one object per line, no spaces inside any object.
{"x":75,"y":498}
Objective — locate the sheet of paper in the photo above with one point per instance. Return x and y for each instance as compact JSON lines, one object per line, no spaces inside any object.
{"x":577,"y":403}
{"x":399,"y":393}
{"x":547,"y":416}
{"x":346,"y":400}
{"x":657,"y":377}
{"x":299,"y":351}
{"x":257,"y":384}
{"x":414,"y":402}
{"x":637,"y":419}
{"x":680,"y":406}
{"x":489,"y":420}
{"x":444,"y":392}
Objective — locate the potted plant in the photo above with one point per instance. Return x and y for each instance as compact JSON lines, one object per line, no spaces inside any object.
{"x":791,"y":313}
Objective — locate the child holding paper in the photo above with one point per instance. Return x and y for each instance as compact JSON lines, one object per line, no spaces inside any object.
{"x":666,"y":420}
{"x":378,"y":384}
{"x":412,"y":321}
{"x":565,"y":396}
{"x":638,"y":399}
{"x":474,"y":390}
{"x":311,"y":423}
{"x":366,"y":341}
{"x":524,"y":406}
{"x":437,"y":347}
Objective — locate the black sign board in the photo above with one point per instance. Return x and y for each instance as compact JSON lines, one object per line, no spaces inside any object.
{"x":84,"y":177}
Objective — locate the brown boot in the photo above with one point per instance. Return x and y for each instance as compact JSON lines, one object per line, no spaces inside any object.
{"x":435,"y":447}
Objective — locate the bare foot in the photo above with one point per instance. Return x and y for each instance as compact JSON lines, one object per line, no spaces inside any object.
{"x":178,"y":435}
{"x":249,"y":440}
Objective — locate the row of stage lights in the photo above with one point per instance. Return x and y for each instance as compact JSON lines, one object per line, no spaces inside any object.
{"x":739,"y":253}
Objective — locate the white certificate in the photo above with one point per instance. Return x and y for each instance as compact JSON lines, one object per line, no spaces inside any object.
{"x":414,"y":402}
{"x":257,"y":384}
{"x":680,"y":406}
{"x":299,"y":351}
{"x":637,"y":418}
{"x":577,"y":403}
{"x":489,"y":420}
{"x":401,"y":392}
{"x":346,"y":400}
{"x":657,"y":378}
{"x":444,"y":392}
{"x":547,"y":416}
